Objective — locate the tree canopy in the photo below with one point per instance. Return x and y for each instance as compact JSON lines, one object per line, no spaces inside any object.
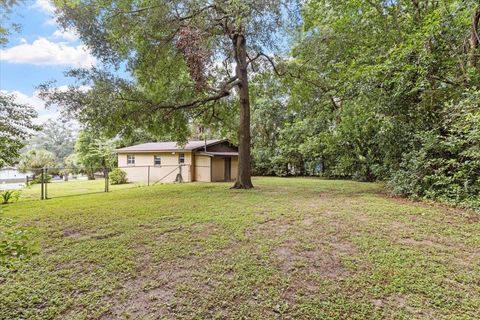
{"x":93,"y":153}
{"x":57,"y":137}
{"x":16,"y":125}
{"x":35,"y":160}
{"x":388,"y":91}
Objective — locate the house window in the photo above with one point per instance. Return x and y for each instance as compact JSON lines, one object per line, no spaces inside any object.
{"x":130,"y":159}
{"x":181,"y":158}
{"x":157,"y":160}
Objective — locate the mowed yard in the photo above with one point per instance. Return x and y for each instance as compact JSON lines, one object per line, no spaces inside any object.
{"x":291,"y":248}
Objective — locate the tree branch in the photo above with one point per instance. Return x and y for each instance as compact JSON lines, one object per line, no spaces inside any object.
{"x":222,"y":92}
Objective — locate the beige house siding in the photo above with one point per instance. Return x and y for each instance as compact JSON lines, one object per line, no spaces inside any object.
{"x":234,"y":170}
{"x":197,"y":167}
{"x":146,"y":159}
{"x":144,"y":168}
{"x":202,"y":168}
{"x":218,"y":169}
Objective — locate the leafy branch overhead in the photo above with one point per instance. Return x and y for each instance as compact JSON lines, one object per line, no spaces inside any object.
{"x":16,"y":125}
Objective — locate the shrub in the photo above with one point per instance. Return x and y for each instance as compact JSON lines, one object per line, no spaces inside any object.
{"x":118,"y":176}
{"x":38,"y":179}
{"x":446,"y":166}
{"x":8,"y":196}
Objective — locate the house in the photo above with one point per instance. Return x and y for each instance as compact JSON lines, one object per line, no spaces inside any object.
{"x":13,"y":175}
{"x":208,"y":161}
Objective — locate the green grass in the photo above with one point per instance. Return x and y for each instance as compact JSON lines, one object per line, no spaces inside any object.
{"x":288,"y":249}
{"x":71,"y":188}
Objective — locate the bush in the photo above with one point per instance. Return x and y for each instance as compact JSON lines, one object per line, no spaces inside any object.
{"x":38,"y":179}
{"x":8,"y":196}
{"x":118,"y":176}
{"x":446,"y":166}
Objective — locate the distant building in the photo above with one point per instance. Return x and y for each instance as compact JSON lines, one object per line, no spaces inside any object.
{"x":12,"y":175}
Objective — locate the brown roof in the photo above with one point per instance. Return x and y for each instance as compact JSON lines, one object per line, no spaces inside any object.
{"x":168,"y":146}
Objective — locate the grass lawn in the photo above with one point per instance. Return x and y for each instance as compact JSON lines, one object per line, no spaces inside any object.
{"x":71,"y":188}
{"x":288,"y":249}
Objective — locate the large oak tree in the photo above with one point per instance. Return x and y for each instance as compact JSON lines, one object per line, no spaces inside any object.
{"x":186,"y":61}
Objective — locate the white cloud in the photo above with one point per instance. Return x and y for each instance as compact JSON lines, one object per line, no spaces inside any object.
{"x":81,"y":88}
{"x":42,"y":118}
{"x":39,"y":105}
{"x":68,"y":35}
{"x":52,"y":113}
{"x":45,"y":6}
{"x":45,"y":52}
{"x":32,"y":100}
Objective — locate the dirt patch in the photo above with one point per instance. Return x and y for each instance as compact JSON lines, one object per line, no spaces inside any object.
{"x":343,"y":247}
{"x":205,"y":230}
{"x":396,"y":301}
{"x":324,"y":263}
{"x":155,"y":288}
{"x":270,"y":228}
{"x":107,"y":235}
{"x":73,"y":233}
{"x":309,"y":221}
{"x":80,"y":234}
{"x":151,"y":290}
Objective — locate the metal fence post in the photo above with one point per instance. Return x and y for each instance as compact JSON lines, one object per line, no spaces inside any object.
{"x":42,"y":187}
{"x":148,"y":176}
{"x":46,"y":183}
{"x":106,"y":179}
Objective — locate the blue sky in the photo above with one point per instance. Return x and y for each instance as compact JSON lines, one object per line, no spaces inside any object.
{"x":40,"y":52}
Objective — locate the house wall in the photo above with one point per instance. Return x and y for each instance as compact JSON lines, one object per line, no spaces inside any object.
{"x":202,"y":168}
{"x":166,"y":172}
{"x":218,"y":169}
{"x":234,"y":170}
{"x":196,"y":167}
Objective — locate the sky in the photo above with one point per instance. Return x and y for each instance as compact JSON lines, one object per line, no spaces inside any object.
{"x":41,"y":51}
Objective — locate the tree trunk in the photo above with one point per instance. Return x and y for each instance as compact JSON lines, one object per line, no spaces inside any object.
{"x":474,"y":38}
{"x":91,"y":174}
{"x":243,"y":180}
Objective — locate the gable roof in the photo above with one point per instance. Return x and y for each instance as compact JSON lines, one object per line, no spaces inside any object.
{"x":169,"y":146}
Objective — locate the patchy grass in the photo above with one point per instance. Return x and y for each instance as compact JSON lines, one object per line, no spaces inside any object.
{"x":290,"y":248}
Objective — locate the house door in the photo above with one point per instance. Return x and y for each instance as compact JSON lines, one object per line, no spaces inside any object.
{"x":228,"y":169}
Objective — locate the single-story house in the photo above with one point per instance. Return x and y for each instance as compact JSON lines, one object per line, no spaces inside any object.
{"x":208,"y":161}
{"x":13,"y":175}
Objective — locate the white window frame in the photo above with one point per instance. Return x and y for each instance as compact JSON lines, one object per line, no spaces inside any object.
{"x":181,"y":158}
{"x":130,"y":159}
{"x":155,"y":158}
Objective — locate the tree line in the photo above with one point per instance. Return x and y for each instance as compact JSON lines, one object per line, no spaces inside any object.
{"x":380,"y":90}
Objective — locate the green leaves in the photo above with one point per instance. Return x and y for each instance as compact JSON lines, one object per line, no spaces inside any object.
{"x":385,"y":91}
{"x":34,"y":160}
{"x":15,"y":245}
{"x":16,"y":125}
{"x":8,"y":196}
